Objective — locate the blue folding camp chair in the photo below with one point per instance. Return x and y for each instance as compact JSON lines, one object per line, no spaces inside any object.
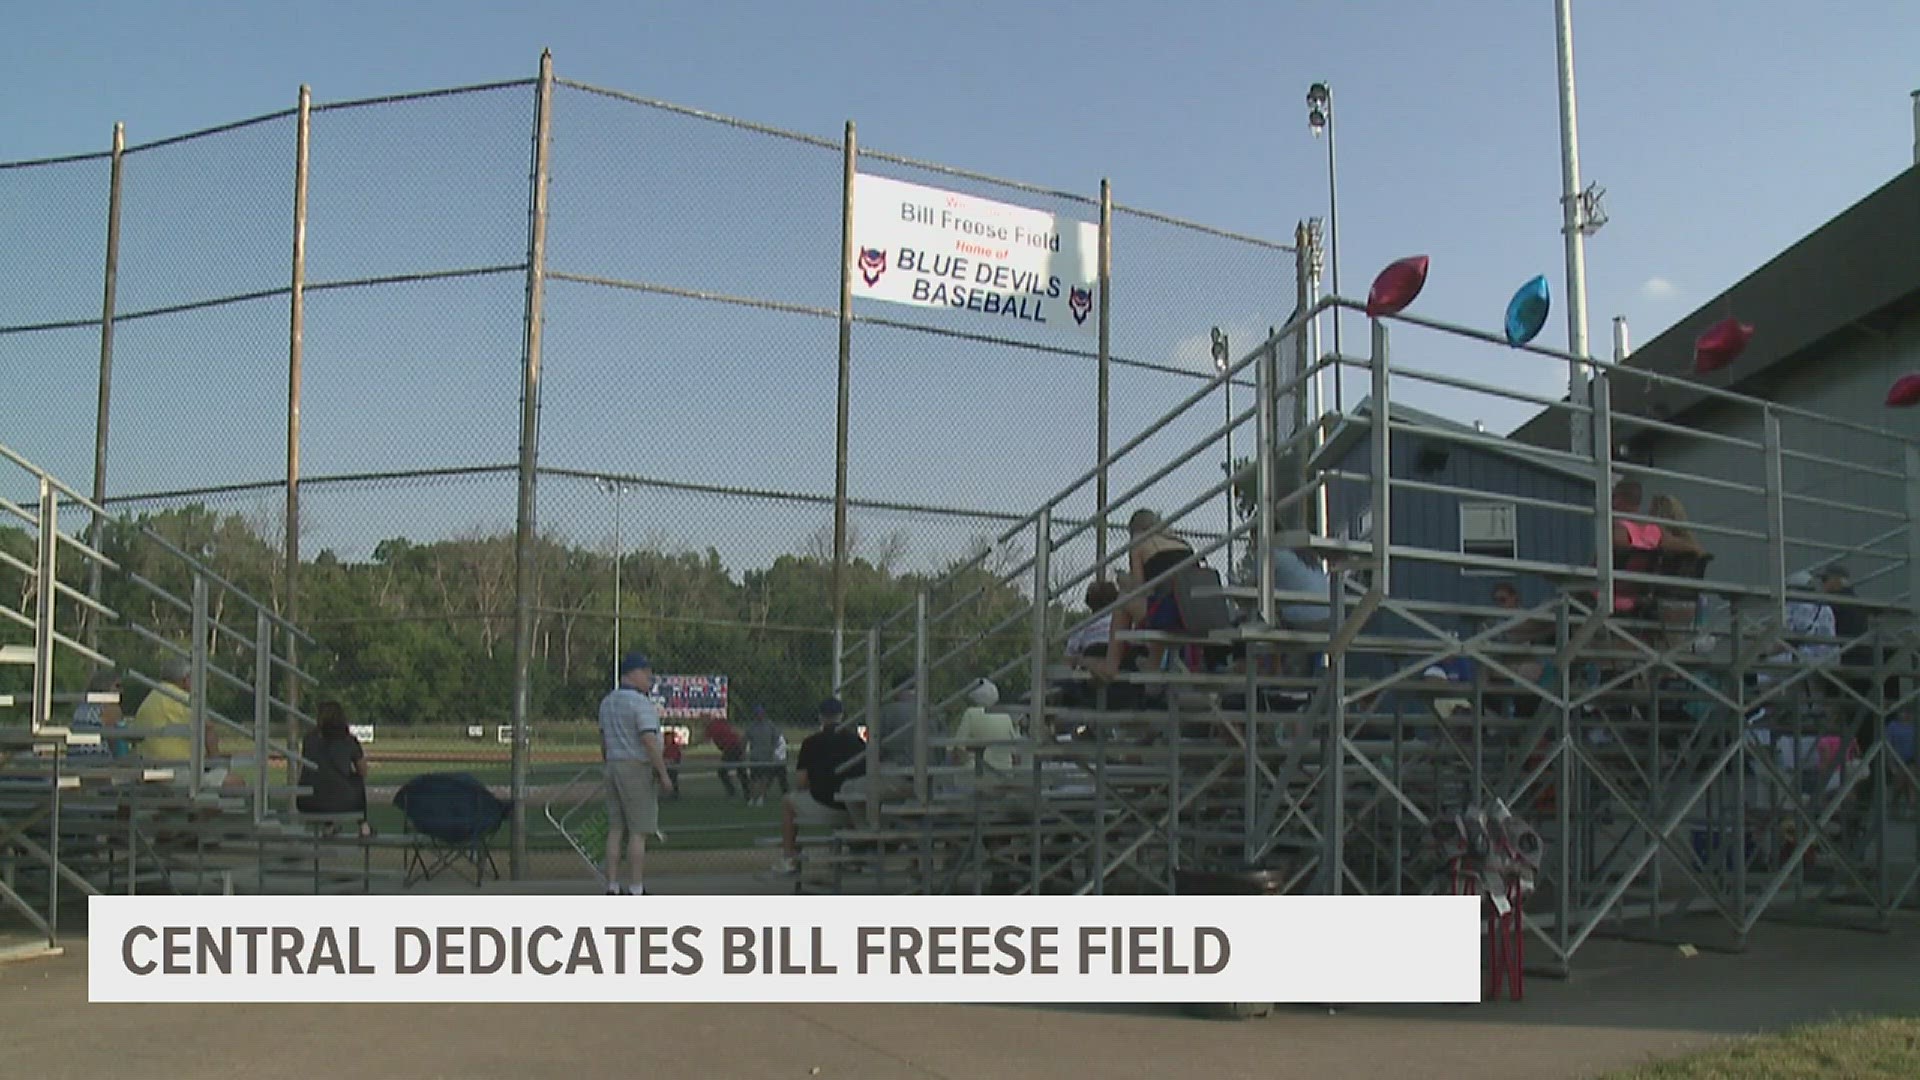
{"x":451,"y":818}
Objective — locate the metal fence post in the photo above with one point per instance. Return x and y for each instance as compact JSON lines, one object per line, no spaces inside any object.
{"x":296,"y":347}
{"x":263,"y":712}
{"x":1104,"y":366}
{"x":921,"y":693}
{"x":107,"y":300}
{"x":876,"y":731}
{"x":1042,"y":589}
{"x":197,"y":687}
{"x":848,"y":167}
{"x":524,"y":532}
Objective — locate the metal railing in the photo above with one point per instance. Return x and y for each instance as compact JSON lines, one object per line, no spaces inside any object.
{"x":1776,"y":490}
{"x":238,"y":649}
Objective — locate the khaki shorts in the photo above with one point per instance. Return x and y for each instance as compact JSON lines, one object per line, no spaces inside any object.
{"x":633,"y":797}
{"x":808,"y":810}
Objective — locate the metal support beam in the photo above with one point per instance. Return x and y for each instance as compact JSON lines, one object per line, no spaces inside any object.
{"x":1104,"y":366}
{"x":922,"y":695}
{"x":849,"y":155}
{"x":296,"y":334}
{"x":1042,"y":597}
{"x":197,"y":690}
{"x":110,"y":291}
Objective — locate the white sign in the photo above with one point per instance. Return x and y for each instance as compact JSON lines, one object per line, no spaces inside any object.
{"x":962,"y":949}
{"x":1010,"y":264}
{"x":476,"y":731}
{"x":363,"y":732}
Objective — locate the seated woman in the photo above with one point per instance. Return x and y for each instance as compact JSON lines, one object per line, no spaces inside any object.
{"x":337,"y":776}
{"x":1636,"y":545}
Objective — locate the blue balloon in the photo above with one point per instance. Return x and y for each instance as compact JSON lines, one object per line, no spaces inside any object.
{"x":1527,"y":311}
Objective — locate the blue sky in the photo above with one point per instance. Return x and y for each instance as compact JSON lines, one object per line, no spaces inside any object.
{"x":1721,"y":131}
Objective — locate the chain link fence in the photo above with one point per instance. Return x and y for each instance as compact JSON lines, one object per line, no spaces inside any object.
{"x":686,"y":439}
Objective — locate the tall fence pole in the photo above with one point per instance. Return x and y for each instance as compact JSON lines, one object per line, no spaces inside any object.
{"x":524,"y":534}
{"x":849,"y":154}
{"x":296,"y":348}
{"x":110,"y":290}
{"x":1105,"y":364}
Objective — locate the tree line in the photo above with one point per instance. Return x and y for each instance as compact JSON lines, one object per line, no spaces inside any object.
{"x":422,"y":632}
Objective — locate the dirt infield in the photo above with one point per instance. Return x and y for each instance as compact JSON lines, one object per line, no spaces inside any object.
{"x":1631,"y":1003}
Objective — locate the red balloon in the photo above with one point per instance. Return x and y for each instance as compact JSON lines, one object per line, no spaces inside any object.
{"x":1397,"y":286}
{"x":1720,"y":345}
{"x":1905,"y":392}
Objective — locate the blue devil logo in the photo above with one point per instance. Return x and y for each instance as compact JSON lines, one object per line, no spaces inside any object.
{"x":1080,"y":302}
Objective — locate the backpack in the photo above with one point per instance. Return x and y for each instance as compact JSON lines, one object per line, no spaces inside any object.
{"x":1201,"y":614}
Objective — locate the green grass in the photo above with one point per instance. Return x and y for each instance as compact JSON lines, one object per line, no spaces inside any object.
{"x":1861,"y":1049}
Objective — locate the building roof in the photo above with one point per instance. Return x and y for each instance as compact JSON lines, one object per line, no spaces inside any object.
{"x":1861,"y":268}
{"x":1354,"y":426}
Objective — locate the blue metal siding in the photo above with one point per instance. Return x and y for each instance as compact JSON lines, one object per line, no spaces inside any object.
{"x":1430,"y":521}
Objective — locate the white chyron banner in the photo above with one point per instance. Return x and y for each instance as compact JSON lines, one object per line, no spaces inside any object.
{"x":1008,"y":264}
{"x":803,"y":949}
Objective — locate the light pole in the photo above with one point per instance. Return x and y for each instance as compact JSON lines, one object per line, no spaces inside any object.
{"x":1581,"y":217}
{"x":1220,"y":364}
{"x":616,"y":489}
{"x":1319,"y":117}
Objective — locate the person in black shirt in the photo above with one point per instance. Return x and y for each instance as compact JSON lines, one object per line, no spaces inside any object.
{"x":820,"y":775}
{"x":337,"y":775}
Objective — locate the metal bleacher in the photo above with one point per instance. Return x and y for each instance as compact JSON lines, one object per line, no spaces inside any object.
{"x":85,"y":810}
{"x":1669,"y":770}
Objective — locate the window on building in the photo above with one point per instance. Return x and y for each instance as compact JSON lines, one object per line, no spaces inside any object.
{"x":1489,"y":530}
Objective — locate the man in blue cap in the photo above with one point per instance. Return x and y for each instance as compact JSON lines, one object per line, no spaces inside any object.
{"x":636,"y":773}
{"x":819,"y":776}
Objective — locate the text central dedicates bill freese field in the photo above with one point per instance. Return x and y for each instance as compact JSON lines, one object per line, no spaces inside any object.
{"x":818,"y":949}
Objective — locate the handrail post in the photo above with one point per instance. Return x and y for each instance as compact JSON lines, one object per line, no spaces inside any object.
{"x":46,"y":570}
{"x":876,"y":731}
{"x":1600,"y":399}
{"x":921,"y":695}
{"x":197,"y":688}
{"x":1776,"y":516}
{"x":262,"y":710}
{"x":1382,"y":433}
{"x":1913,"y":528}
{"x":1042,"y":589}
{"x":1264,"y":378}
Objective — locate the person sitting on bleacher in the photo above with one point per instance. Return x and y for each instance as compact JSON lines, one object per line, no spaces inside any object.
{"x":1678,"y":613}
{"x":97,"y":718}
{"x":820,"y":777}
{"x":1154,"y":551}
{"x":1094,"y":637}
{"x":1299,"y":572}
{"x":168,"y":706}
{"x":979,"y":727}
{"x":337,"y":769}
{"x":1635,"y":544}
